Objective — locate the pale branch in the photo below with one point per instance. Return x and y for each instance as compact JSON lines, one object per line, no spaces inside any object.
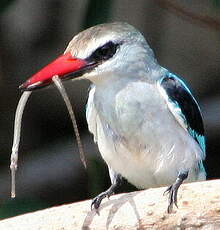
{"x":199,"y":208}
{"x":180,"y":11}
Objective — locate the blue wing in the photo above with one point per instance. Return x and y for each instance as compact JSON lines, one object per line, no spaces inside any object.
{"x":184,"y":107}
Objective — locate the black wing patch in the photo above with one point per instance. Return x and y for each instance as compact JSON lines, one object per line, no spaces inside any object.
{"x":180,"y":94}
{"x":184,"y":107}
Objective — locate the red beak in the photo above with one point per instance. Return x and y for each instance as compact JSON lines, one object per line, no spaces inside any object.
{"x":62,"y":66}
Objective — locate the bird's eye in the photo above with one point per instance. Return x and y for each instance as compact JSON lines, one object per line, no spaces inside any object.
{"x":105,"y":52}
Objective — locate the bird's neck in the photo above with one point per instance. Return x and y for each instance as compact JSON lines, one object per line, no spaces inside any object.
{"x":114,"y":81}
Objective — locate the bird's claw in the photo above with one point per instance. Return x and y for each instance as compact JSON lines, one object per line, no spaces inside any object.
{"x":172,"y":200}
{"x":97,"y":201}
{"x":167,"y":191}
{"x":95,"y":206}
{"x":110,"y":194}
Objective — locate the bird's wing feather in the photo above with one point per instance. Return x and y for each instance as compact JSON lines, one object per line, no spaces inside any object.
{"x":183,"y":106}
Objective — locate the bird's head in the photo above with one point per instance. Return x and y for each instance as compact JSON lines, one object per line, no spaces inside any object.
{"x":111,"y":48}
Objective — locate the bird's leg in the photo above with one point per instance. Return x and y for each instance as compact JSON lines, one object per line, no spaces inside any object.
{"x":116,"y":181}
{"x":173,"y":189}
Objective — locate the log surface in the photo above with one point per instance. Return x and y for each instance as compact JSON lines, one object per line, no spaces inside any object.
{"x":199,"y":208}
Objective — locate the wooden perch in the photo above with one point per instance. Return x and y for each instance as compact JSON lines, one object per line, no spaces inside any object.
{"x":199,"y":208}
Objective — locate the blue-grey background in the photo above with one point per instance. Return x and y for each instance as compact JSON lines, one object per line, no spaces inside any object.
{"x":32,"y":33}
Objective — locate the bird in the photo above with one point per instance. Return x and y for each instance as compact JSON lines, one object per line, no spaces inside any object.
{"x":146,"y":122}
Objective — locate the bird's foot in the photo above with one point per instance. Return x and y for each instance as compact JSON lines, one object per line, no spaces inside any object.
{"x":98,"y":199}
{"x":173,"y":190}
{"x":172,"y":200}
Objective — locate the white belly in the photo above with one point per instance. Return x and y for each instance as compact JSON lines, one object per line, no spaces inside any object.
{"x":138,"y":142}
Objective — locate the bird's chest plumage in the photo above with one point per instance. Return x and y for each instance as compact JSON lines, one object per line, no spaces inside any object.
{"x":131,"y":125}
{"x":134,"y":110}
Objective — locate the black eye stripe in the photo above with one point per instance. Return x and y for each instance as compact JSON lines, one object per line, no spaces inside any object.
{"x":104,"y":52}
